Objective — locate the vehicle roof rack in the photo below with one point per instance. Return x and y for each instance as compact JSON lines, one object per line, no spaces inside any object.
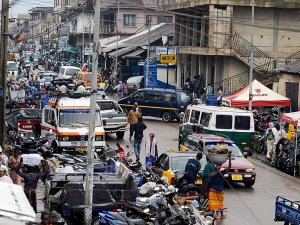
{"x":58,"y":95}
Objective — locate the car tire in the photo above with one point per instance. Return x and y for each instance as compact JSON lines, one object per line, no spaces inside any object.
{"x":120,"y":134}
{"x":166,"y":116}
{"x":249,"y":183}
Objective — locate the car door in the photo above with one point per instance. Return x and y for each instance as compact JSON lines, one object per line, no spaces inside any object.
{"x":141,"y":97}
{"x":154,"y":103}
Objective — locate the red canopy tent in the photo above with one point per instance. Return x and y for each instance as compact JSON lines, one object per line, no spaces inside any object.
{"x":262,"y":96}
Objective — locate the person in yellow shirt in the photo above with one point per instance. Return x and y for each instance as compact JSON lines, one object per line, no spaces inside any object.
{"x":133,"y":116}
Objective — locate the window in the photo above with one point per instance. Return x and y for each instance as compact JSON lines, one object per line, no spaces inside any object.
{"x":148,"y":20}
{"x":224,"y":122}
{"x":195,"y":117}
{"x":155,"y":96}
{"x":129,"y":20}
{"x":170,"y":97}
{"x":184,"y":97}
{"x":186,"y":116}
{"x":49,"y":117}
{"x":164,"y":19}
{"x":205,"y":119}
{"x":242,"y":122}
{"x":140,"y":95}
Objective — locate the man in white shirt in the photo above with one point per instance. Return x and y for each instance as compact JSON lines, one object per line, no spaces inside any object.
{"x":151,"y":149}
{"x":81,"y":88}
{"x":62,"y":88}
{"x":3,"y":158}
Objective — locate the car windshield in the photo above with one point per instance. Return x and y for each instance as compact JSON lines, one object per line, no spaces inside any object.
{"x":184,"y":97}
{"x":12,"y":67}
{"x":220,"y":145}
{"x":77,"y":117}
{"x":179,"y":163}
{"x":47,"y":77}
{"x":71,"y":72}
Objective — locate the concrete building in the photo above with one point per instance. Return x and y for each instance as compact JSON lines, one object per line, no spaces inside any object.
{"x":41,"y":23}
{"x":214,"y":39}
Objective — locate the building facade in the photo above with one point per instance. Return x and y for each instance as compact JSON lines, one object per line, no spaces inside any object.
{"x":214,"y":39}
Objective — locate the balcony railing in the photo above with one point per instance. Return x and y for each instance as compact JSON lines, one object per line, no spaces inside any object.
{"x":108,"y":29}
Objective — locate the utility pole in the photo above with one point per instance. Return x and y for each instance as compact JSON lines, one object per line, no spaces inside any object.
{"x":83,"y":46}
{"x":91,"y":136}
{"x":3,"y":58}
{"x":117,"y":20}
{"x":251,"y":59}
{"x":148,"y":52}
{"x":48,"y":36}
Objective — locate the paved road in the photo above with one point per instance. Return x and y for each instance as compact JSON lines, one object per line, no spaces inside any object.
{"x":246,"y":206}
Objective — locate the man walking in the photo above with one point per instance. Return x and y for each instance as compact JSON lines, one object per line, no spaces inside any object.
{"x":138,"y":129}
{"x":151,"y":149}
{"x":133,"y":116}
{"x":271,"y":145}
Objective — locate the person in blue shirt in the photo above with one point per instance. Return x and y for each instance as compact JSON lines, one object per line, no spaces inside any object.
{"x":192,"y":168}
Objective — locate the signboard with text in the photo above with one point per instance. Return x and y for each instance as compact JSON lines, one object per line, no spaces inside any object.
{"x":152,"y":78}
{"x":167,"y":58}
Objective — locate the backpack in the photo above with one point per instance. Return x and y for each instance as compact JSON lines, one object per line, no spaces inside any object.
{"x":270,"y":136}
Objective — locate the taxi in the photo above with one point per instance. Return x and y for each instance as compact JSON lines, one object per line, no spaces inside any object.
{"x":171,"y":163}
{"x":86,"y":78}
{"x":241,"y":171}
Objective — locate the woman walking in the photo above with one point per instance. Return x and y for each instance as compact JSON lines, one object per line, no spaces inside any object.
{"x":13,"y":162}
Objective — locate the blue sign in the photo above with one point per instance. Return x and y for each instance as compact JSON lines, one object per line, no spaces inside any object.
{"x":152,"y":77}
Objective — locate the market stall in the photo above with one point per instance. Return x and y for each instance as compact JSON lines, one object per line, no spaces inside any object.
{"x":262,"y":96}
{"x":294,"y":119}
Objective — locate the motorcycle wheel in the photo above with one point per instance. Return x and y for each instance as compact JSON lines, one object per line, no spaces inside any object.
{"x":259,"y":149}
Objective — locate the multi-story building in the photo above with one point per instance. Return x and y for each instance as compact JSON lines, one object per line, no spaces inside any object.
{"x":214,"y":39}
{"x":41,"y":23}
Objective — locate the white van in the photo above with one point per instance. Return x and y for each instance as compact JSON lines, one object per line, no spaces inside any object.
{"x":235,"y":124}
{"x":67,"y":72}
{"x":67,"y":119}
{"x":12,"y":68}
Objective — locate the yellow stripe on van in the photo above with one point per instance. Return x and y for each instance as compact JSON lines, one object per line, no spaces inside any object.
{"x":150,"y":107}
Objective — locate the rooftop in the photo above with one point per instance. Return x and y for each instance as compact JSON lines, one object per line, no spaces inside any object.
{"x":294,"y":68}
{"x":218,"y":108}
{"x":41,"y":9}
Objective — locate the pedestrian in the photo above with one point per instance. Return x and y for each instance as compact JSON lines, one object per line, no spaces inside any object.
{"x":151,"y":149}
{"x":45,"y":217}
{"x":208,"y":168}
{"x":62,"y":88}
{"x":125,"y":89}
{"x":208,"y":89}
{"x":197,"y":86}
{"x":215,"y":189}
{"x":220,"y":96}
{"x":31,"y":179}
{"x":4,"y":176}
{"x":120,"y":90}
{"x":3,"y":158}
{"x":271,"y":144}
{"x":133,"y":116}
{"x":81,"y":88}
{"x":192,"y":169}
{"x":138,"y":129}
{"x":37,"y":128}
{"x":13,"y":162}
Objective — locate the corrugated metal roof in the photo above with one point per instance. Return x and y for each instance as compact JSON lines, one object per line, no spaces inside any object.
{"x":134,"y":54}
{"x":141,"y":39}
{"x":294,"y":67}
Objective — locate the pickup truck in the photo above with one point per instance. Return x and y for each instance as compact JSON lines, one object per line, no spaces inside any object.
{"x":113,"y":117}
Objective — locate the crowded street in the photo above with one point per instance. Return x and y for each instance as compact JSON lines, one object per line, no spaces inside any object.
{"x":149,"y":112}
{"x":245,"y":206}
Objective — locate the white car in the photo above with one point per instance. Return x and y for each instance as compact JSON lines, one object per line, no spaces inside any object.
{"x":67,"y":72}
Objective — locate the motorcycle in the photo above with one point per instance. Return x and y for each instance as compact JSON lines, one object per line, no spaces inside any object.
{"x":259,"y":143}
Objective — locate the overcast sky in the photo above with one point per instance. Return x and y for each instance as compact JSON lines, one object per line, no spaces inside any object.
{"x":22,"y":6}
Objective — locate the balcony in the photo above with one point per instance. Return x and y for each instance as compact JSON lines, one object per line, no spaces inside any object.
{"x":108,"y":29}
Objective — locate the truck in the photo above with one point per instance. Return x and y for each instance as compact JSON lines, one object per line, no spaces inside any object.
{"x":287,"y":211}
{"x":66,"y":118}
{"x":114,"y":117}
